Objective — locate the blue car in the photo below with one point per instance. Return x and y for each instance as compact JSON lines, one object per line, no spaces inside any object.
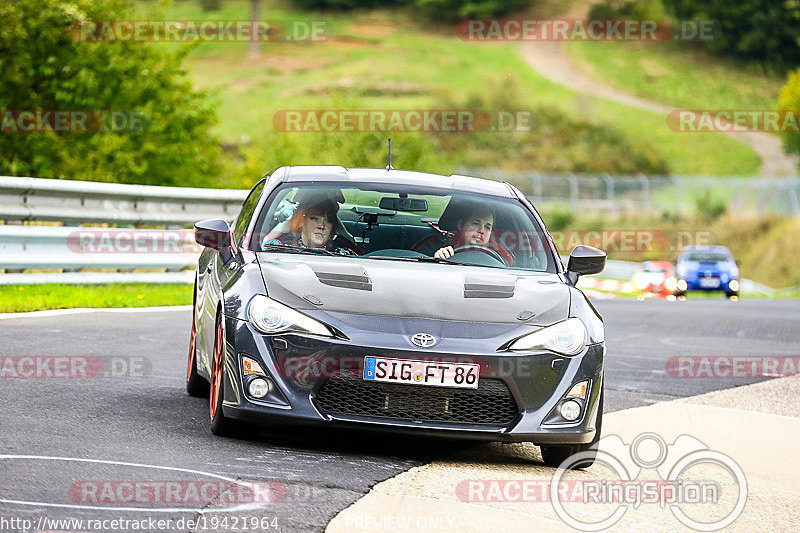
{"x":707,"y":268}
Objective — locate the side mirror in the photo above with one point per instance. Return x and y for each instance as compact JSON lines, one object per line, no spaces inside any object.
{"x":214,"y":233}
{"x":584,"y":260}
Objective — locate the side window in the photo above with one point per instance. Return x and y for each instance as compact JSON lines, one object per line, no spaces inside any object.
{"x":247,"y":211}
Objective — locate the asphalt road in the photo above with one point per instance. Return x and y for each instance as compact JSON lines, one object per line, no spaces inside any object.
{"x":63,"y":442}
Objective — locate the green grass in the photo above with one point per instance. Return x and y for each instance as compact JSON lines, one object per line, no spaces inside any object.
{"x":672,"y":74}
{"x":19,"y":298}
{"x":385,"y":60}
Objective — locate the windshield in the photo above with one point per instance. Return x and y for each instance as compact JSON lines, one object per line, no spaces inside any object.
{"x":706,"y":257}
{"x":395,"y":222}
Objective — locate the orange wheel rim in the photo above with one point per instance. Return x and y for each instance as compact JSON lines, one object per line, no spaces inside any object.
{"x":192,"y":342}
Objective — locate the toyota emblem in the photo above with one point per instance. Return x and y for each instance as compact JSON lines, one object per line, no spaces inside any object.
{"x":423,"y":340}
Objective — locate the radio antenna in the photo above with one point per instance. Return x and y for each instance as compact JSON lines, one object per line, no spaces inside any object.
{"x":389,"y":166}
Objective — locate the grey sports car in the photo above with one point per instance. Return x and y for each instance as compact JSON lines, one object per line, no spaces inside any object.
{"x":396,"y":301}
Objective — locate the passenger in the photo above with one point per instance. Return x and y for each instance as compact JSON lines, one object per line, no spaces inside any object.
{"x":475,"y":229}
{"x":312,"y":226}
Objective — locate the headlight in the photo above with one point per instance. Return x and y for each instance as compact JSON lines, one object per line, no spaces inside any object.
{"x":670,"y":284}
{"x":269,"y":316}
{"x":567,"y":338}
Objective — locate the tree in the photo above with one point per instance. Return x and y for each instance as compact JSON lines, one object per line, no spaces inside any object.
{"x":767,"y":31}
{"x":46,"y":68}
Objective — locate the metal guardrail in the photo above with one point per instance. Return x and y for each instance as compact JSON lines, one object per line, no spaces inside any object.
{"x":605,"y":193}
{"x":73,"y":249}
{"x":79,"y":202}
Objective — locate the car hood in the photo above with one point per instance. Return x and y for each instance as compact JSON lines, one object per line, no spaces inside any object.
{"x":414,"y":290}
{"x":696,"y":266}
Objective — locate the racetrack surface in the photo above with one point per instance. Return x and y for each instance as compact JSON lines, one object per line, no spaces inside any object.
{"x":146,"y":419}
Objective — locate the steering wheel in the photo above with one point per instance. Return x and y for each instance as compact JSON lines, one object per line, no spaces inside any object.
{"x":479,"y":248}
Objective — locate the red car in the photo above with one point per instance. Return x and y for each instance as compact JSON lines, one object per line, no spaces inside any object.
{"x":656,"y":277}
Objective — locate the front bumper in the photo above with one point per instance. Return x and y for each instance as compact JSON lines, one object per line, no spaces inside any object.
{"x":301,"y":366}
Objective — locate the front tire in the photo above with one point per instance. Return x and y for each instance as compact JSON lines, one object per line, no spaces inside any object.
{"x":553,"y":456}
{"x":220,"y":424}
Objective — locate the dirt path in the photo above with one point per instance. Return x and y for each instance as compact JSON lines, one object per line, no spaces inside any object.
{"x":550,"y":59}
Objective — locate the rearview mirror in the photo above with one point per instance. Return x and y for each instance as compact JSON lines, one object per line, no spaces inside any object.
{"x":403,"y":204}
{"x":585,"y":260}
{"x":214,"y":233}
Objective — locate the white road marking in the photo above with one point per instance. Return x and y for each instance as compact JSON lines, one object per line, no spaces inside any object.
{"x":59,"y":312}
{"x":201,"y":510}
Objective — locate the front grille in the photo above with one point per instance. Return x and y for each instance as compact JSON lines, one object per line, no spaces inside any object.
{"x":491,"y":404}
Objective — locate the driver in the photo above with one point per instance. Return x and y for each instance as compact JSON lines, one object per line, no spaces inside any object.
{"x":312,"y":226}
{"x":475,"y":230}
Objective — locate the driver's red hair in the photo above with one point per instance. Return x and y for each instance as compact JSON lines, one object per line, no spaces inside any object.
{"x":326,"y":208}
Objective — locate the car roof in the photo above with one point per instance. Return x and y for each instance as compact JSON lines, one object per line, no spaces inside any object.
{"x":454,"y":182}
{"x":657,"y":264}
{"x":705,"y":248}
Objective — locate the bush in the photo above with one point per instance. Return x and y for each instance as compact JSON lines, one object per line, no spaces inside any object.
{"x":210,"y":5}
{"x":346,"y":5}
{"x":767,"y":31}
{"x":557,"y":218}
{"x":449,"y":11}
{"x":790,"y":102}
{"x":45,"y":68}
{"x":627,"y":9}
{"x":553,"y":141}
{"x":709,"y":206}
{"x":454,"y":10}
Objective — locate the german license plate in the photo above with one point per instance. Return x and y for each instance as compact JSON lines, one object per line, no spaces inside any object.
{"x":709,"y":283}
{"x":438,"y":374}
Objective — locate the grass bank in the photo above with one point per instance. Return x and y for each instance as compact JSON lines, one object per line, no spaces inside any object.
{"x":387,"y":60}
{"x":21,"y":298}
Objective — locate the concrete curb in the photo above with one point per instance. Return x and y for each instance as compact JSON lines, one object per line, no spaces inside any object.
{"x":425,"y":498}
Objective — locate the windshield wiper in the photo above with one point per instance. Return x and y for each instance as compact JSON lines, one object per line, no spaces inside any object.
{"x":295,"y":249}
{"x":424,"y":259}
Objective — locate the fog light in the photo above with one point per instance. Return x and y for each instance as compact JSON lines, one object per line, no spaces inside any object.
{"x":682,"y":285}
{"x":734,"y":285}
{"x":570,"y":410}
{"x":258,"y":388}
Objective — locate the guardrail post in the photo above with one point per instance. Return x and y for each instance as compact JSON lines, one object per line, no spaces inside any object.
{"x":537,"y":186}
{"x":573,"y":192}
{"x":793,"y":199}
{"x":645,"y":190}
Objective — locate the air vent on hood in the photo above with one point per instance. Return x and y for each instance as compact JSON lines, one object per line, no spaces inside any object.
{"x":346,"y":278}
{"x":483,"y":287}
